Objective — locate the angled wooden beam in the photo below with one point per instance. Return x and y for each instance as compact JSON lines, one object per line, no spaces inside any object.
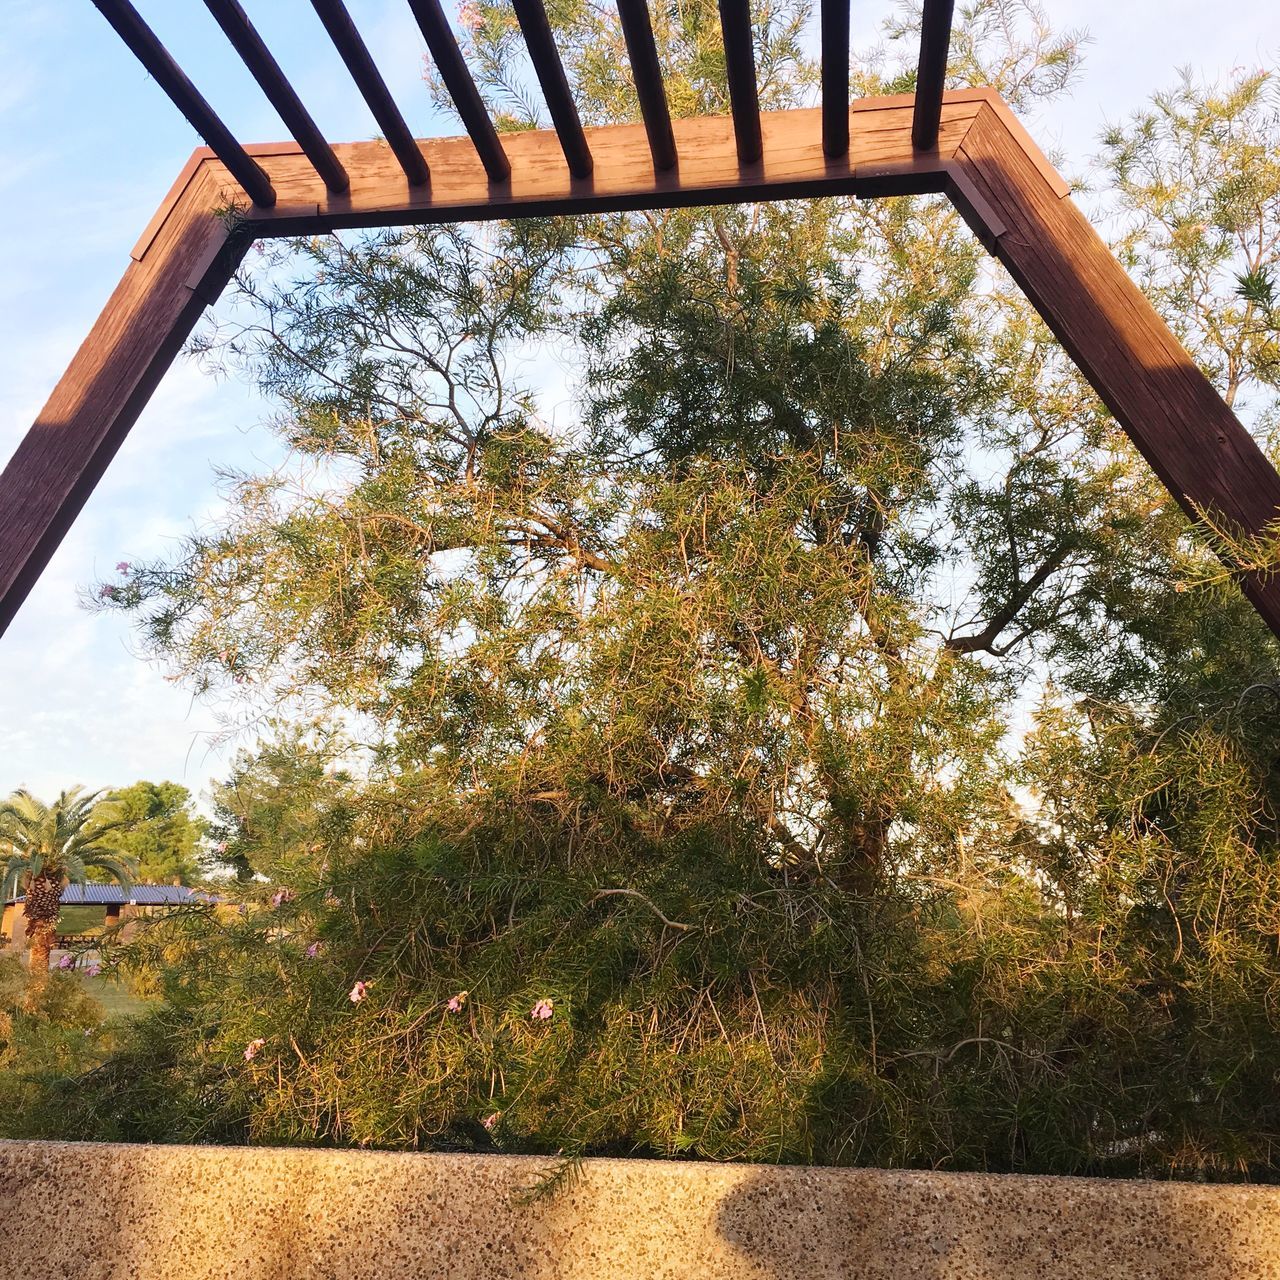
{"x":740,"y":68}
{"x":159,"y":64}
{"x":255,"y":55}
{"x":646,"y":72}
{"x":1157,"y":392}
{"x":119,"y":365}
{"x":541,"y":43}
{"x":982,"y":158}
{"x":373,"y":89}
{"x":835,"y":76}
{"x":462,"y":88}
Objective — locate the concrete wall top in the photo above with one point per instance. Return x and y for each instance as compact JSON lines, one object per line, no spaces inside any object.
{"x":87,"y":1211}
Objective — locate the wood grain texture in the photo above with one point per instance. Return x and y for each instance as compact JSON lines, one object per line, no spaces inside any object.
{"x":1004,"y":187}
{"x":108,"y":383}
{"x":792,"y":164}
{"x":1158,"y":394}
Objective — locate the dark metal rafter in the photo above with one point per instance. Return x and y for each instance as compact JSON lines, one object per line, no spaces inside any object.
{"x":155,"y":58}
{"x":931,"y":77}
{"x":280,"y":93}
{"x":642,"y":52}
{"x":740,"y":69}
{"x":835,"y":77}
{"x":532,"y":17}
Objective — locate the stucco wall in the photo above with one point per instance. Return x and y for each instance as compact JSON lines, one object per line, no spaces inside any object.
{"x":85,"y":1212}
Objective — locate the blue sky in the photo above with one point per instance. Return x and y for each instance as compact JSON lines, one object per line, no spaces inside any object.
{"x":88,"y":146}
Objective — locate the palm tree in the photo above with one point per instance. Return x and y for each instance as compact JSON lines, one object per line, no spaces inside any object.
{"x":49,"y":846}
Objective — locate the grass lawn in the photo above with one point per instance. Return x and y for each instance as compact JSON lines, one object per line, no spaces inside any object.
{"x":81,"y":919}
{"x":112,"y":996}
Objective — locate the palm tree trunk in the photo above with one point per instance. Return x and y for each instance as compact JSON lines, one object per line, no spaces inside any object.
{"x":43,"y":899}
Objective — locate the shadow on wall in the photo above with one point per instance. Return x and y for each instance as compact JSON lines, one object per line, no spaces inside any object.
{"x":91,"y":1211}
{"x":876,"y":1225}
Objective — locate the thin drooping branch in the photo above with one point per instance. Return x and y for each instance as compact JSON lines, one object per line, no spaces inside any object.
{"x":984,"y":641}
{"x":640,"y":897}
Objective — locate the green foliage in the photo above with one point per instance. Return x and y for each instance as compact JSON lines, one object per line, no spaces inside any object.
{"x":1104,"y":1016}
{"x":59,"y":842}
{"x":163,"y":833}
{"x":828,"y":719}
{"x":43,"y":1049}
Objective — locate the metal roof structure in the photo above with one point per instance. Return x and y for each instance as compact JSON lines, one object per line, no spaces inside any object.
{"x":966,"y":144}
{"x":138,"y":895}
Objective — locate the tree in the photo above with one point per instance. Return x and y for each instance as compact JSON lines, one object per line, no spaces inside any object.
{"x":161,"y":835}
{"x":49,"y":846}
{"x":694,"y":716}
{"x":279,"y":805}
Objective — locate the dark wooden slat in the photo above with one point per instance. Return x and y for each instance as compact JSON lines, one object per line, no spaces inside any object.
{"x":280,"y":93}
{"x":532,"y":16}
{"x":835,"y":77}
{"x":144,"y":45}
{"x":462,"y":88}
{"x":740,"y":66}
{"x":931,"y":76}
{"x":373,"y":89}
{"x":637,"y":31}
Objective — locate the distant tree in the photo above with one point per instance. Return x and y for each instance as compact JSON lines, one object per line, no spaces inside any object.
{"x":162,"y":834}
{"x":278,"y":806}
{"x":50,"y":845}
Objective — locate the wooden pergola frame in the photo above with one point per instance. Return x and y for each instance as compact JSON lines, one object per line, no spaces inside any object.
{"x":966,"y":144}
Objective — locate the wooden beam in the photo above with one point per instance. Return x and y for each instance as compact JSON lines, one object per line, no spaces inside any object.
{"x":190,"y":248}
{"x":160,"y":65}
{"x":118,"y":367}
{"x":1169,"y":409}
{"x":792,"y":165}
{"x":373,"y":89}
{"x":462,"y":88}
{"x":740,"y":67}
{"x":835,"y":77}
{"x":931,"y":75}
{"x":532,"y":17}
{"x":981,"y":157}
{"x":646,"y":72}
{"x":280,"y":93}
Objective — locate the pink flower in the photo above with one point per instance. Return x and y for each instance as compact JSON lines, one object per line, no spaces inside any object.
{"x":67,"y":962}
{"x":542,"y":1010}
{"x":220,"y":847}
{"x":123,"y":567}
{"x":108,"y":592}
{"x":313,"y":950}
{"x":358,"y":992}
{"x":456,"y":1002}
{"x":93,"y":970}
{"x":490,"y":1120}
{"x":470,"y":17}
{"x":251,"y":1049}
{"x":281,"y":896}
